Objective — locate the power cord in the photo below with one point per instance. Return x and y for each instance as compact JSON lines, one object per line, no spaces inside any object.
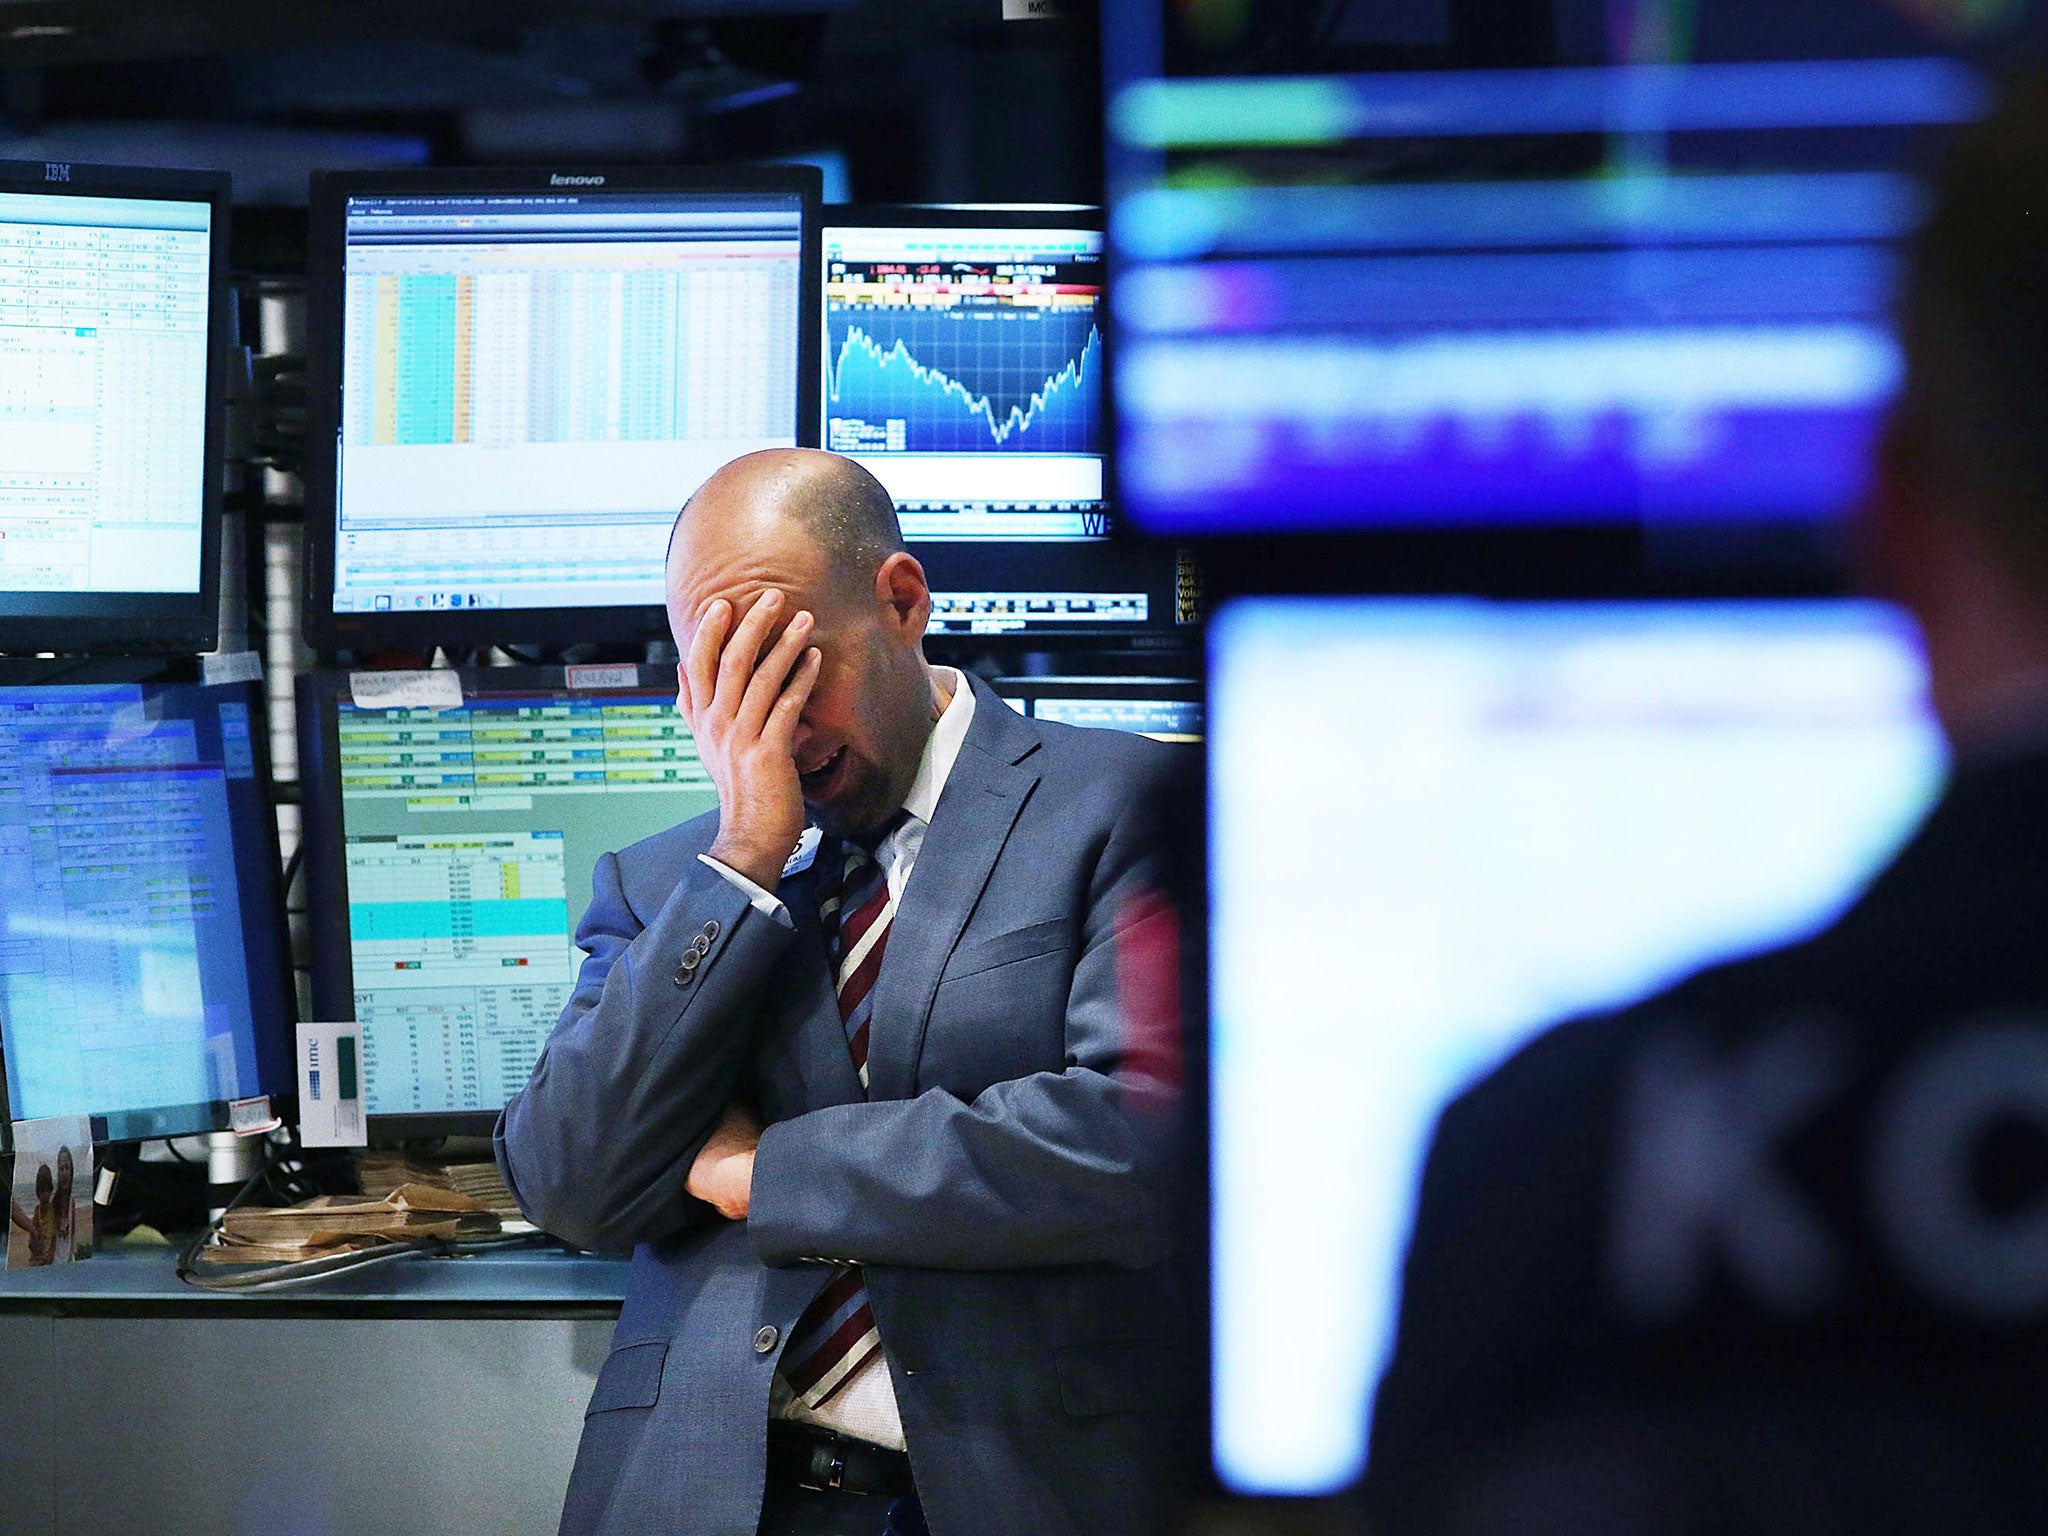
{"x":279,"y":1276}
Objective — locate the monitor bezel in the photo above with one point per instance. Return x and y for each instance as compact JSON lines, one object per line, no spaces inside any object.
{"x":322,"y":836}
{"x":261,"y":881}
{"x":140,"y":623}
{"x":470,"y":628}
{"x":1124,"y":561}
{"x":1121,"y":685}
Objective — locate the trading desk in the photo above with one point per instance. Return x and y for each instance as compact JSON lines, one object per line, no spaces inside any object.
{"x":426,"y":1397}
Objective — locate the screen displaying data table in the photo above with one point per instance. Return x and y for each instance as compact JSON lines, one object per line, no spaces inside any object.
{"x":964,"y":368}
{"x":103,"y":392}
{"x":561,"y":372}
{"x":471,"y":835}
{"x":140,"y":965}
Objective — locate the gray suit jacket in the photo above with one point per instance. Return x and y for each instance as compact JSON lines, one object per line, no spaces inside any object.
{"x":1000,"y":1183}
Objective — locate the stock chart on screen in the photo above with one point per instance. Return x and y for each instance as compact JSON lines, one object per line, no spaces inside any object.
{"x":1654,"y":294}
{"x":964,"y":368}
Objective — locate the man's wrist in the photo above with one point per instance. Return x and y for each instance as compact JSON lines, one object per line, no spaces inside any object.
{"x":763,"y":868}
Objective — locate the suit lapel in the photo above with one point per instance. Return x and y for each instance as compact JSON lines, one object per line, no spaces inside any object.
{"x":983,"y":796}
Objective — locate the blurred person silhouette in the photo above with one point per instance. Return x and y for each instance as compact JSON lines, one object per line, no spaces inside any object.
{"x":1769,"y":1251}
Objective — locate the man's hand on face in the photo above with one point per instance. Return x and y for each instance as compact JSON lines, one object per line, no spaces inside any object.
{"x":723,"y":1174}
{"x":743,"y":707}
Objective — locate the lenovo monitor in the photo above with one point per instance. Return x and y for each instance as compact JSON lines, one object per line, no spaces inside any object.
{"x":519,"y":377}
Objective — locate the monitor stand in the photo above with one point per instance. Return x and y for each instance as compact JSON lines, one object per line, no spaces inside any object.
{"x":231,"y":1161}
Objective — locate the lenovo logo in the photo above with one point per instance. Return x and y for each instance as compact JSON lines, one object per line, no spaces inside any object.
{"x":575,"y":181}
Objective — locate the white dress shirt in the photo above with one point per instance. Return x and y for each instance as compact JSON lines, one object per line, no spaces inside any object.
{"x":865,"y":1405}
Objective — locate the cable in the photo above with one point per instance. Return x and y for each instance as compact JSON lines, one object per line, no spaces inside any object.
{"x":189,"y":1259}
{"x":299,"y":1271}
{"x":276,"y":1277}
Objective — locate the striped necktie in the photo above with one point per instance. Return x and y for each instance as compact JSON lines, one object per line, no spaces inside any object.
{"x":836,"y":1336}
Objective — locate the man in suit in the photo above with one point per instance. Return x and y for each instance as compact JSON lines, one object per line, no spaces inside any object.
{"x":872,"y":1068}
{"x":1770,"y":1251}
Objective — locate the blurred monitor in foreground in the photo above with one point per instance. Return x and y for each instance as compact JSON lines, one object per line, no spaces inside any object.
{"x":1650,"y":294}
{"x":1438,"y":826}
{"x":143,"y":972}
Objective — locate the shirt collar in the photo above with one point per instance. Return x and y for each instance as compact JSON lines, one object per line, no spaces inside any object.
{"x":942,"y":747}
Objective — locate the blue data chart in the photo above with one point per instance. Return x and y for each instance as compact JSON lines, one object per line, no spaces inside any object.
{"x":964,"y":369}
{"x":965,"y":380}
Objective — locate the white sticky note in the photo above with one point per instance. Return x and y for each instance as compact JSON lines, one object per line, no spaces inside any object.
{"x":587,"y":678}
{"x":252,"y":1117}
{"x":230,"y":667}
{"x":331,"y":1086}
{"x":440,"y":688}
{"x":806,"y":852}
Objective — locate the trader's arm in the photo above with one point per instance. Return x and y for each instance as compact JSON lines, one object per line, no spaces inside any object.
{"x":598,"y":1146}
{"x":1054,"y":1168}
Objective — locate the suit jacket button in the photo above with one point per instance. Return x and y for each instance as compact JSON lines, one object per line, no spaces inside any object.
{"x":686,"y":972}
{"x":711,"y":930}
{"x":766,"y":1340}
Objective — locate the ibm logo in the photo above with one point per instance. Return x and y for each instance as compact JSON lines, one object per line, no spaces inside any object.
{"x":55,"y":170}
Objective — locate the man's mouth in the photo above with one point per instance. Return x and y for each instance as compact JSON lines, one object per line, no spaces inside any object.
{"x":819,"y":779}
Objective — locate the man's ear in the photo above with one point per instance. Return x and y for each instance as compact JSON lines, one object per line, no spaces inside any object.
{"x":901,"y":591}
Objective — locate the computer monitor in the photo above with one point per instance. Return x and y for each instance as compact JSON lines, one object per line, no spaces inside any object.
{"x":520,"y":376}
{"x":1437,"y":826}
{"x":144,"y":974}
{"x":449,"y":856}
{"x":963,"y":365}
{"x":113,"y":315}
{"x":1164,"y":708}
{"x":1646,"y":297}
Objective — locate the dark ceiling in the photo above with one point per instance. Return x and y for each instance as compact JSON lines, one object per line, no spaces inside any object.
{"x":907,"y":99}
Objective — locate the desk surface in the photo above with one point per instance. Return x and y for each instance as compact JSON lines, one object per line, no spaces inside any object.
{"x":520,"y":1279}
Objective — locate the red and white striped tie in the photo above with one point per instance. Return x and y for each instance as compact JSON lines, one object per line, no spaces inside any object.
{"x":836,"y":1336}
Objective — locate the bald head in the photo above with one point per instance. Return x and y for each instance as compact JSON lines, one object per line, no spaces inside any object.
{"x":838,"y":508}
{"x":794,"y":537}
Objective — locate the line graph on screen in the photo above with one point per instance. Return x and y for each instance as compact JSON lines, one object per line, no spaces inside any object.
{"x":1006,"y":380}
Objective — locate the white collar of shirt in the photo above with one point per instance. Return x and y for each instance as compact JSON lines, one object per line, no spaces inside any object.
{"x":942,"y":747}
{"x":899,"y":851}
